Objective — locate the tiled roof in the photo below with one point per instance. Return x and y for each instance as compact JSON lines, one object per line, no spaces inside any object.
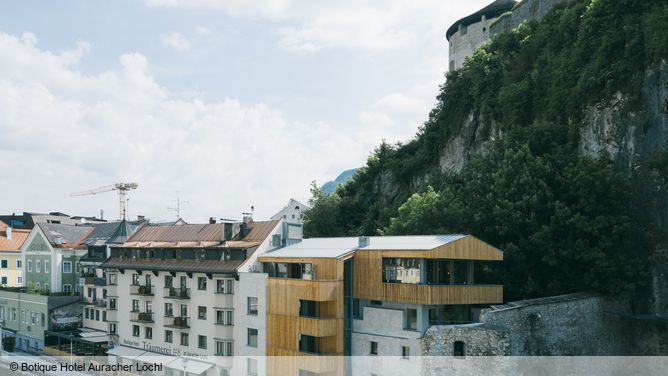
{"x":17,"y":240}
{"x":201,"y":266}
{"x":69,"y":236}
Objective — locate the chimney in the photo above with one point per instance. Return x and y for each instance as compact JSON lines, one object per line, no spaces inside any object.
{"x":141,"y":218}
{"x":212,"y":220}
{"x":247,"y":217}
{"x":363,"y":241}
{"x":8,"y":232}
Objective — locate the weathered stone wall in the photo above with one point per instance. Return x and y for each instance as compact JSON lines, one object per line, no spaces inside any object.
{"x":526,"y":10}
{"x":569,"y":325}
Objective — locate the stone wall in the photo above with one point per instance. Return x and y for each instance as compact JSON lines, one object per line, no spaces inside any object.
{"x":526,"y":10}
{"x":570,"y":325}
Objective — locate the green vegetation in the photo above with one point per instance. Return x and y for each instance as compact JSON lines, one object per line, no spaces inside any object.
{"x":565,"y":222}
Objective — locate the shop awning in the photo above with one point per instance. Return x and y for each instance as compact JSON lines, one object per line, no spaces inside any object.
{"x":125,"y":352}
{"x":192,"y":366}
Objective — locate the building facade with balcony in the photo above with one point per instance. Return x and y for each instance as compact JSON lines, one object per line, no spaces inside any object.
{"x":194,"y":292}
{"x":371,"y":297}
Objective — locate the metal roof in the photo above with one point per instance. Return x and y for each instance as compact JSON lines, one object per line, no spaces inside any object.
{"x":338,"y":247}
{"x":492,"y":10}
{"x":173,"y":265}
{"x":178,"y":233}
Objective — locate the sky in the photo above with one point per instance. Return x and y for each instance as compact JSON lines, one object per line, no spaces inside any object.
{"x":227,"y":103}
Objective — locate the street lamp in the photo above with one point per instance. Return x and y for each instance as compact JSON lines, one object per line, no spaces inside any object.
{"x":184,"y":362}
{"x":71,"y":337}
{"x":2,"y":333}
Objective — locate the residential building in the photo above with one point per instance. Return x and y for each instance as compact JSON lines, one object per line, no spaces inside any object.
{"x":371,"y":296}
{"x":193,"y":291}
{"x":51,"y":257}
{"x":11,"y":264}
{"x":292,"y":212}
{"x":29,"y":316}
{"x":93,"y":278}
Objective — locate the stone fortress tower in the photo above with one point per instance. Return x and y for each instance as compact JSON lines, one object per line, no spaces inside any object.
{"x":469,"y":33}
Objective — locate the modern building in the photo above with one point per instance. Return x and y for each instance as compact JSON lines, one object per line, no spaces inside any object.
{"x":28,"y":220}
{"x":11,"y":264}
{"x":371,"y":296}
{"x":28,"y":316}
{"x":194,"y":291}
{"x":469,"y":33}
{"x":292,"y":212}
{"x":51,"y":257}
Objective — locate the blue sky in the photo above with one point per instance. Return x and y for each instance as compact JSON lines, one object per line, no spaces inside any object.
{"x":230,"y":102}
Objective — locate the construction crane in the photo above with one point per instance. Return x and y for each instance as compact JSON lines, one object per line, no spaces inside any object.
{"x":122,"y":189}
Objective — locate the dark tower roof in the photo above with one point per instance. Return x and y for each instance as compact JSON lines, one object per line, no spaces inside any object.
{"x":493,"y":10}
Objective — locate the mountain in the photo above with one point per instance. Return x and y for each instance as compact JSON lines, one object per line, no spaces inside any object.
{"x":329,"y":187}
{"x":551,"y":143}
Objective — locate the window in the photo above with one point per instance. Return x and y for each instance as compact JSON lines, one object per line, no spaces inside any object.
{"x":30,"y":265}
{"x":148,"y":280}
{"x":149,"y":332}
{"x":201,"y":342}
{"x":67,"y":266}
{"x":112,"y":328}
{"x":169,"y":310}
{"x":47,"y":270}
{"x":251,"y":366}
{"x":252,"y":337}
{"x":184,"y":310}
{"x":104,"y":316}
{"x":112,"y":303}
{"x":224,"y":317}
{"x":308,"y":308}
{"x":112,"y":279}
{"x":357,"y":309}
{"x":19,"y":264}
{"x":67,"y":288}
{"x":135,"y":305}
{"x":43,"y":319}
{"x":3,"y":264}
{"x":401,"y":270}
{"x":168,"y":281}
{"x":135,"y":330}
{"x":19,"y":280}
{"x":225,"y":286}
{"x":308,"y":344}
{"x":201,"y":313}
{"x":376,"y":303}
{"x":97,"y":315}
{"x":38,"y":265}
{"x":224,"y":348}
{"x":3,"y":280}
{"x":405,"y":352}
{"x":201,"y":283}
{"x":459,"y":349}
{"x":86,"y":315}
{"x":135,"y":279}
{"x":184,"y":339}
{"x":411,"y":319}
{"x":169,"y":336}
{"x":373,"y":348}
{"x":252,"y":305}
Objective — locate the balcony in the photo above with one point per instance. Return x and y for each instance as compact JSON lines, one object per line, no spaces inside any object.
{"x":141,"y":316}
{"x":178,"y":322}
{"x":99,"y":281}
{"x":177,"y":293}
{"x":102,"y":303}
{"x":141,"y":290}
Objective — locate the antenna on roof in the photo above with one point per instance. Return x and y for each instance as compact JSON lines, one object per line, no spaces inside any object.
{"x":179,"y":206}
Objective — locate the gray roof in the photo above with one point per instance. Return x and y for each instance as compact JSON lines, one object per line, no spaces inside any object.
{"x":112,"y":232}
{"x":68,"y":233}
{"x":338,"y":247}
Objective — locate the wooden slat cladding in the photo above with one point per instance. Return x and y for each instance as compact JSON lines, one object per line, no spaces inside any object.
{"x":291,"y":362}
{"x":368,"y":276}
{"x":284,"y":295}
{"x":285,"y":331}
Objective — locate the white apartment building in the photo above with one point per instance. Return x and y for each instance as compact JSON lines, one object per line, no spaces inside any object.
{"x":193,"y":294}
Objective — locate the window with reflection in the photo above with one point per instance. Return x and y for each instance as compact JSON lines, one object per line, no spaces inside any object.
{"x":401,"y":270}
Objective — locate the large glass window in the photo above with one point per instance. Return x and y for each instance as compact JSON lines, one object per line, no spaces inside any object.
{"x":450,"y":314}
{"x":460,"y":272}
{"x":411,"y":319}
{"x":401,"y":270}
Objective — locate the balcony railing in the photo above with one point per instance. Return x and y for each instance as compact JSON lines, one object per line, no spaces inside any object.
{"x":141,"y":316}
{"x":99,"y":281}
{"x":177,"y":293}
{"x":179,"y":322}
{"x":141,"y":290}
{"x":101,"y":303}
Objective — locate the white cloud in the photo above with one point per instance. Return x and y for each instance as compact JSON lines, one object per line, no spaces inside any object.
{"x":175,"y":40}
{"x":310,"y":25}
{"x":63,"y":131}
